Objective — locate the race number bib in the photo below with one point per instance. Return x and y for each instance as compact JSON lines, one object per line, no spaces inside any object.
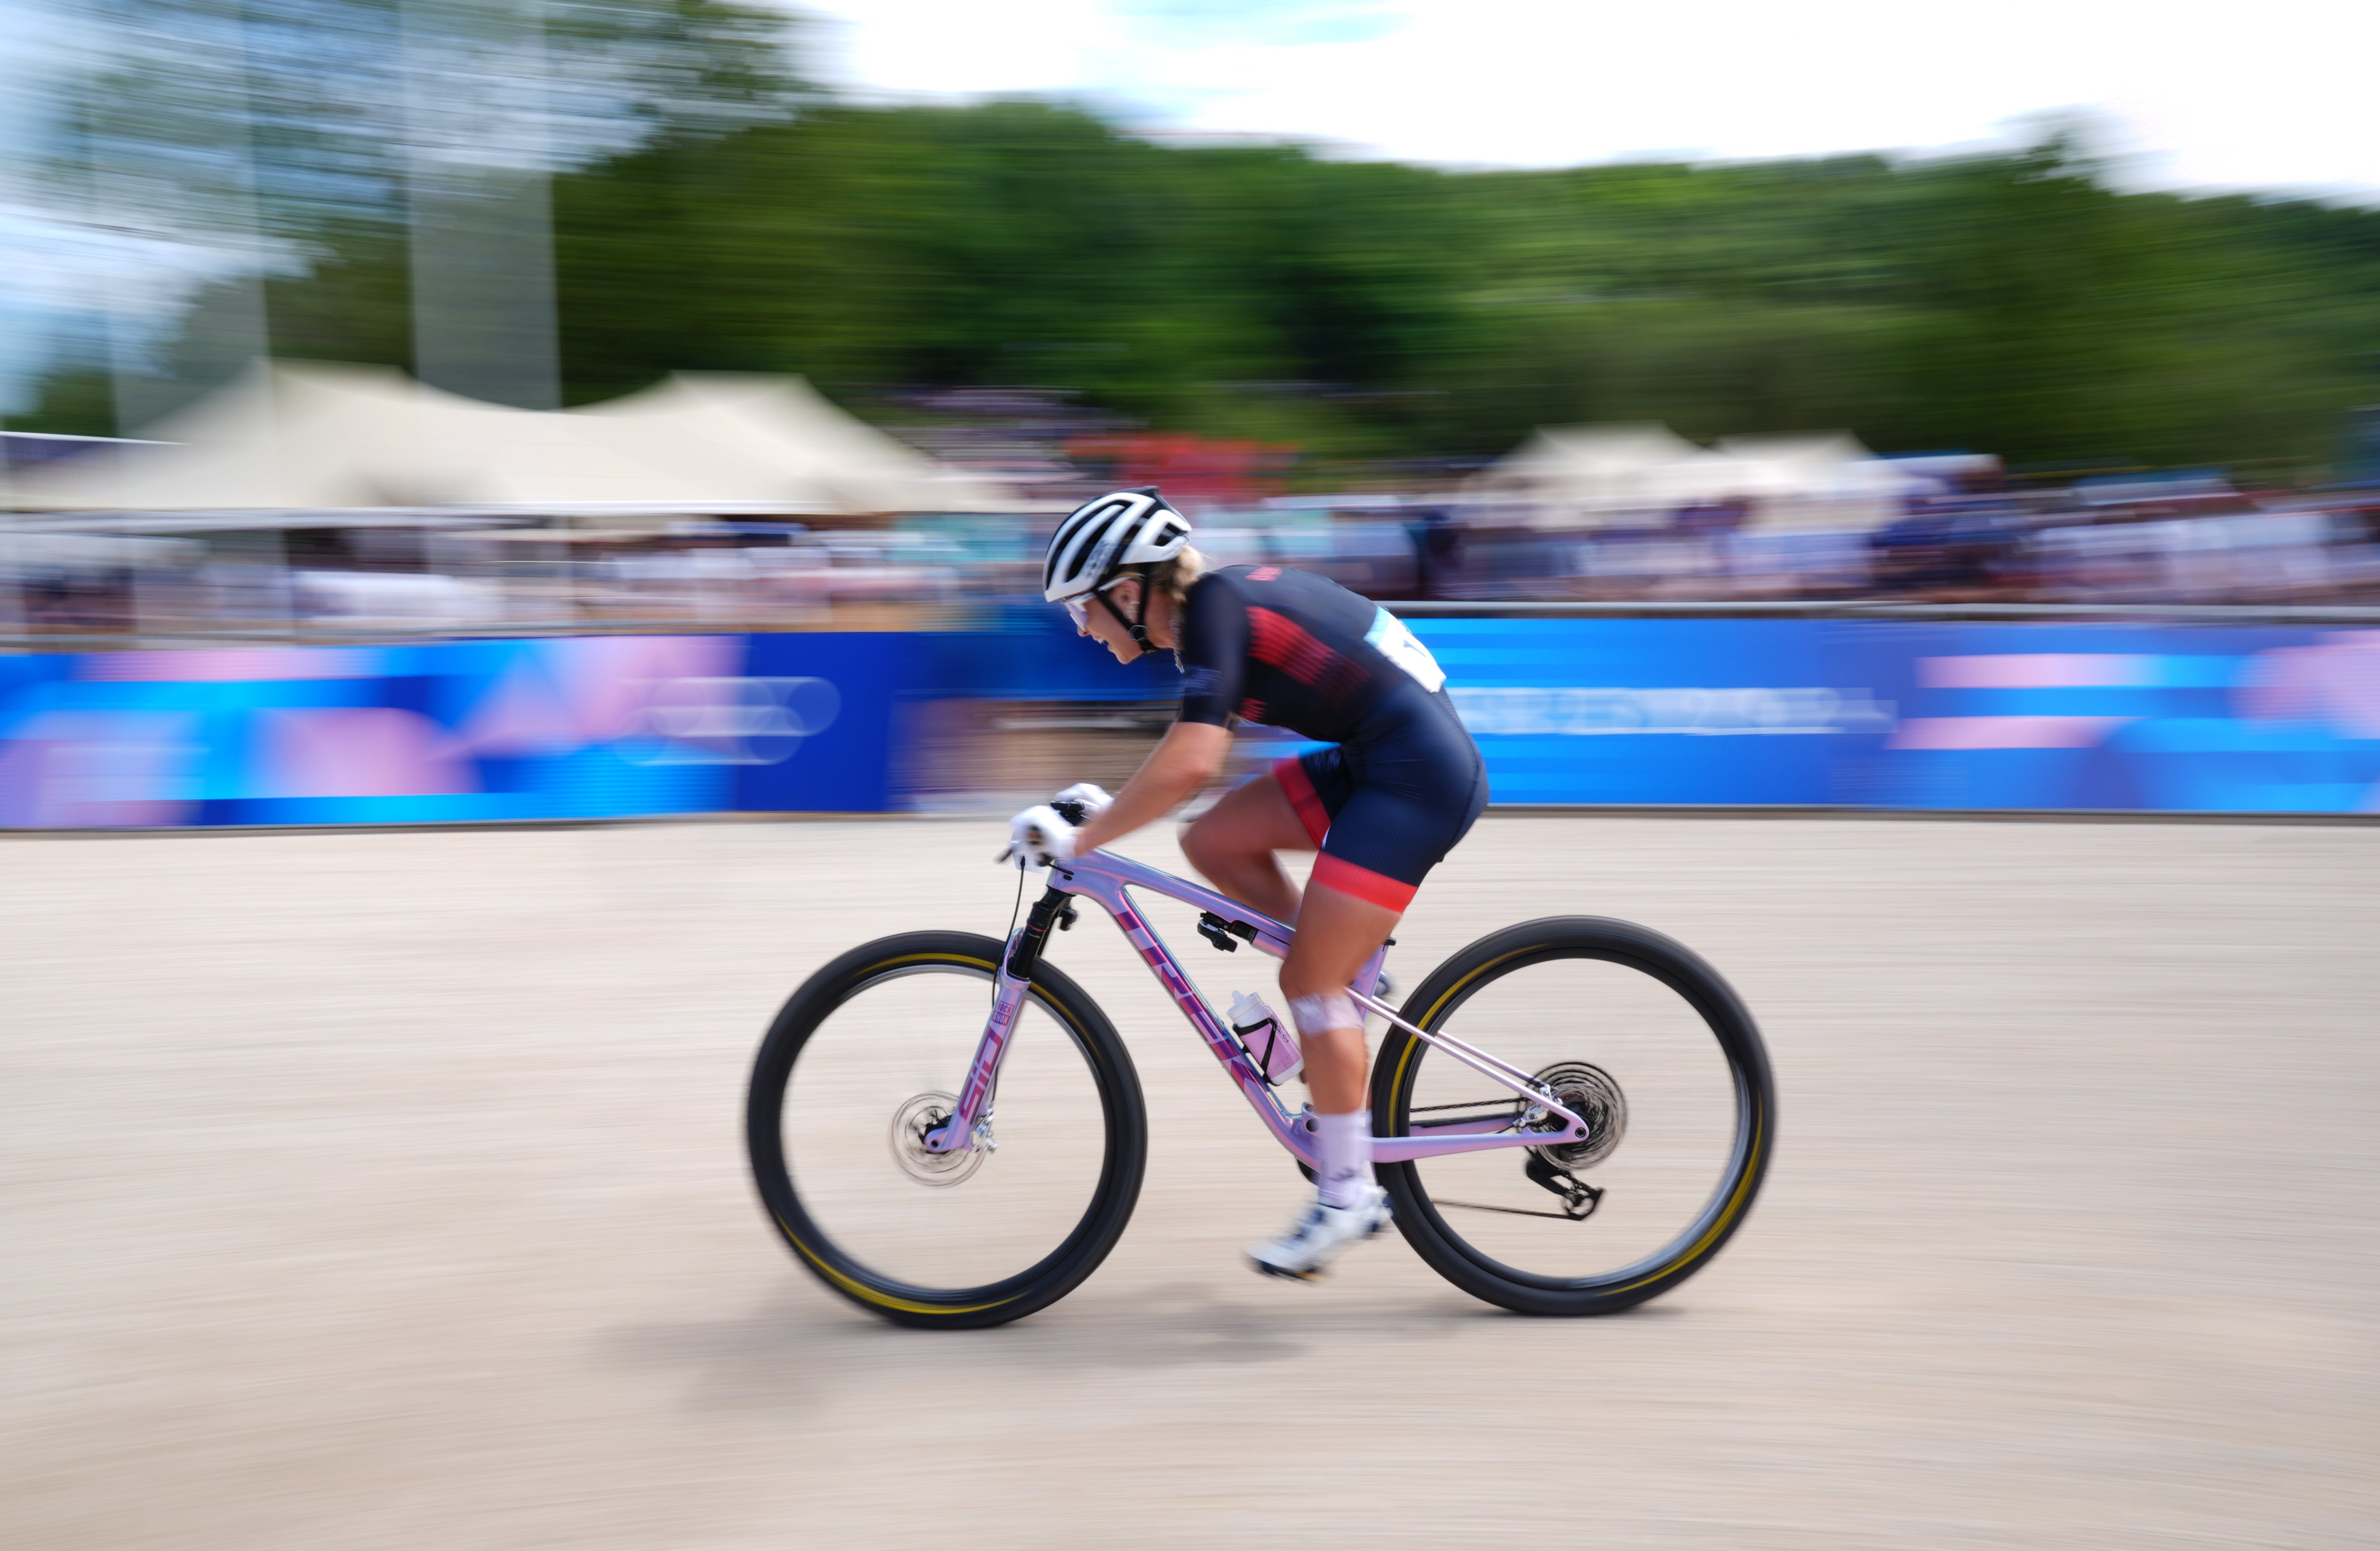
{"x":1392,"y":639}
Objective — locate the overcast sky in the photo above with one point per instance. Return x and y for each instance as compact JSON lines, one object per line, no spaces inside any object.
{"x":2277,"y":95}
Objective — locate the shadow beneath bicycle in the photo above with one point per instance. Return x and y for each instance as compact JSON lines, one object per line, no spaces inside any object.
{"x":795,"y":1353}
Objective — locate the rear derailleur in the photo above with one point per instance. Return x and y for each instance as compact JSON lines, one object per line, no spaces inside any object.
{"x":1579,"y":1199}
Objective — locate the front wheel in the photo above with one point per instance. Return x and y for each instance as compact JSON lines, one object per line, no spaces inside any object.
{"x":1635,"y":1035}
{"x":864,"y":1061}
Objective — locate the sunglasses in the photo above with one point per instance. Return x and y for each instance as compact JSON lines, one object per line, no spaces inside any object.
{"x":1079,"y":609}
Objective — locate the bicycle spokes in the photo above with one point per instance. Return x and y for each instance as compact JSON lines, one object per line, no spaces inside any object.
{"x":1622,"y":1051}
{"x":875,"y":1078}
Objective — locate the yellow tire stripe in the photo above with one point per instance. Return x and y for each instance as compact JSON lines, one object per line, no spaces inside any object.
{"x":867,"y":1294}
{"x":1414,"y":1047}
{"x":861,"y":1290}
{"x":1727,"y":1216}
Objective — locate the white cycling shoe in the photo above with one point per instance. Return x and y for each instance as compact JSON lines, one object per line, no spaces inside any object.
{"x":1315,"y":1240}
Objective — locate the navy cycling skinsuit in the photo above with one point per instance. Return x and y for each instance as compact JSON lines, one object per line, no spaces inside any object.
{"x":1265,"y":643}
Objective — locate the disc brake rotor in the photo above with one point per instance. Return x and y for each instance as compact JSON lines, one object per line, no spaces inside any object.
{"x":912,"y":1123}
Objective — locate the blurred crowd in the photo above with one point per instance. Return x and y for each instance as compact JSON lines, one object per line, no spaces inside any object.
{"x":615,"y":316}
{"x":392,"y":573}
{"x":724,"y":282}
{"x":2185,"y":540}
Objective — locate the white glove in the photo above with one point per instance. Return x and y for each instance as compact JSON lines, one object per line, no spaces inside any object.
{"x":1095,"y":799}
{"x":1037,"y":836}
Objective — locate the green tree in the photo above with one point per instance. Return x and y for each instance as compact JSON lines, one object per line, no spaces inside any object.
{"x":2013,"y":303}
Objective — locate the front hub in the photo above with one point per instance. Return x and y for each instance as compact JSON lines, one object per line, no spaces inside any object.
{"x":918,"y":1119}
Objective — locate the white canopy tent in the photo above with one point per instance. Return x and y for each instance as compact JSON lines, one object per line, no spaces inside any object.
{"x":1625,"y":475}
{"x":1587,"y":468}
{"x":784,"y":425}
{"x":285,"y":437}
{"x":1827,"y":481}
{"x":289,"y":436}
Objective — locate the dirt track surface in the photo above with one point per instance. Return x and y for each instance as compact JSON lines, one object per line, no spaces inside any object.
{"x":387,"y":1190}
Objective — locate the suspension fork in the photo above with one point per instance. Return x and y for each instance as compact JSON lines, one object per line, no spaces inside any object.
{"x":1013,"y":981}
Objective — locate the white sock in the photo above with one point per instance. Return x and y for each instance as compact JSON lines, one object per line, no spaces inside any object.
{"x":1345,"y":1144}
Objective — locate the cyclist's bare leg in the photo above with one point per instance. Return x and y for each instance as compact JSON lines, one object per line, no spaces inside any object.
{"x":1232,"y":845}
{"x":1335,"y":933}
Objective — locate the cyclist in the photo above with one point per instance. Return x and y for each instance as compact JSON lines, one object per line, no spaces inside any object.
{"x":1404,"y":782}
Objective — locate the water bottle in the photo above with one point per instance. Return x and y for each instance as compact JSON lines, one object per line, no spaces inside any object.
{"x":1265,"y":1038}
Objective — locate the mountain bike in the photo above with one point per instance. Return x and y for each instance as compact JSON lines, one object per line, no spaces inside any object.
{"x":1573,"y":1115}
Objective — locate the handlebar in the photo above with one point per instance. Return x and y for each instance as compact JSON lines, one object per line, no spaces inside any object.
{"x":1073,"y":813}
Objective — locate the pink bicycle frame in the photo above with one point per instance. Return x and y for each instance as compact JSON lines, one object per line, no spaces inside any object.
{"x":1538,"y":1120}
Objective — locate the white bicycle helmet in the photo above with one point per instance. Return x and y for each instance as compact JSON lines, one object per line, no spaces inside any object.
{"x":1101,"y":539}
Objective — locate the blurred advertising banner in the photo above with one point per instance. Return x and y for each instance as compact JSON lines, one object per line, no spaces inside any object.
{"x":1784,"y":713}
{"x":451,"y":732}
{"x":1655,"y":711}
{"x":1886,"y":715}
{"x":2173,"y":718}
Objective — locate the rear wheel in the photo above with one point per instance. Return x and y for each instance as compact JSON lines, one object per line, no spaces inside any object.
{"x":865,"y":1059}
{"x":1634,"y":1033}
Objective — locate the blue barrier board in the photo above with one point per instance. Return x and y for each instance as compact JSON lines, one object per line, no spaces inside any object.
{"x":1733,"y":712}
{"x":1880,"y":714}
{"x":550,"y":728}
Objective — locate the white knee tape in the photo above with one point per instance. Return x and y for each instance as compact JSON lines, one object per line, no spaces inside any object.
{"x":1315,"y":1015}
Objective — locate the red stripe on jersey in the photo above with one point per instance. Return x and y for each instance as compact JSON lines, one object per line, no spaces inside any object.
{"x":1364,"y":884}
{"x":1282,"y":641}
{"x":1299,"y":788}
